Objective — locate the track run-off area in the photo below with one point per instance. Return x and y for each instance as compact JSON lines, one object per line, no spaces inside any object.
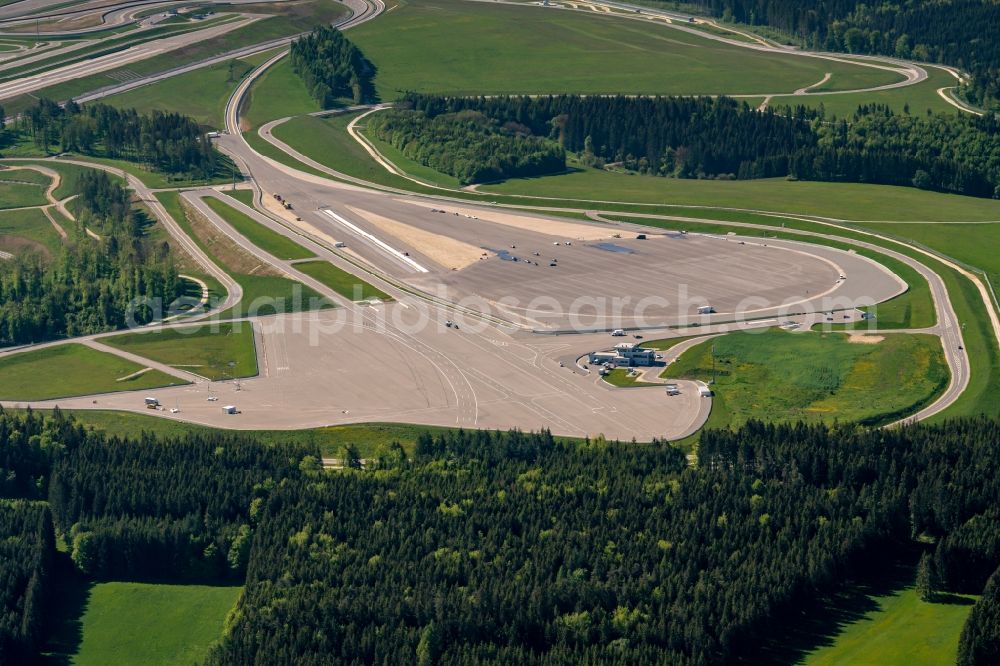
{"x":510,"y":274}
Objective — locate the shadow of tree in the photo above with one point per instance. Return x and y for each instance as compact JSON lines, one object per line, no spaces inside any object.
{"x":68,"y":603}
{"x":819,"y":624}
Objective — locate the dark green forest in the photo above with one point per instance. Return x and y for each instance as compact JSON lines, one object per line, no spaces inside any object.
{"x":89,"y":286}
{"x":709,"y":138}
{"x":333,"y":68}
{"x":961,"y":33}
{"x":490,"y":547}
{"x":168,"y":142}
{"x":512,"y":548}
{"x":164,"y":509}
{"x":468,"y":145}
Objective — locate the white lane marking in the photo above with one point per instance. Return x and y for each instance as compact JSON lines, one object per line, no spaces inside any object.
{"x":377,"y":241}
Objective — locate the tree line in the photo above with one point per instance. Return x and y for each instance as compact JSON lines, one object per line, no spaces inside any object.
{"x":961,"y":33}
{"x":169,"y":142}
{"x":514,"y":548}
{"x":468,"y":145}
{"x":722,"y":138}
{"x":90,"y":285}
{"x":332,"y":67}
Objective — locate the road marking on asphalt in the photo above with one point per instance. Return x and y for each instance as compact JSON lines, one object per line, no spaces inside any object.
{"x":377,"y":241}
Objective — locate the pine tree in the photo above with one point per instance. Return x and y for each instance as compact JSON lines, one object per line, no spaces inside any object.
{"x":926,"y":580}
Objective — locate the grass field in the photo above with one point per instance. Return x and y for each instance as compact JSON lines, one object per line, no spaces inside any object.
{"x":245,"y":197}
{"x":621,"y":378}
{"x":270,"y":241}
{"x":349,"y":286}
{"x":903,"y":631}
{"x":262,"y":294}
{"x":278,"y":93}
{"x":201,"y":94}
{"x":21,"y":230}
{"x":972,"y":244}
{"x":215,"y":351}
{"x":814,"y":377}
{"x":150,"y":624}
{"x":80,"y":371}
{"x":20,"y":195}
{"x":446,"y":46}
{"x":897,"y":629}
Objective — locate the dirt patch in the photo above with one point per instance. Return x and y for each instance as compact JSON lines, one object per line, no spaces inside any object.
{"x":222,"y":247}
{"x":16,"y":246}
{"x":554,"y":228}
{"x":866,"y":339}
{"x":443,"y":250}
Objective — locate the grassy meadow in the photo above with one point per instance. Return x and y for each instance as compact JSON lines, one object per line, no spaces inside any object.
{"x":150,"y":624}
{"x":70,"y":370}
{"x":815,"y":377}
{"x":201,"y":94}
{"x":21,"y":230}
{"x":215,"y":351}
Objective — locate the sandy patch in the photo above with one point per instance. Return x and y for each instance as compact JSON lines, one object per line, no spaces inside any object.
{"x":865,"y":339}
{"x":555,"y":228}
{"x":443,"y":250}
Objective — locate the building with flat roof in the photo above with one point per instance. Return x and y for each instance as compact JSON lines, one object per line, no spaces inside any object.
{"x":625,"y":354}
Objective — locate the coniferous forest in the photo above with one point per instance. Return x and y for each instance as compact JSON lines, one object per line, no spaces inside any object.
{"x":168,"y":142}
{"x":704,"y":138}
{"x":961,"y":33}
{"x":89,"y":285}
{"x":468,"y":145}
{"x":332,"y":67}
{"x":490,"y":547}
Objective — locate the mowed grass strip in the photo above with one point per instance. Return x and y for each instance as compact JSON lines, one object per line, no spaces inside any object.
{"x":255,"y":232}
{"x":245,"y":197}
{"x":71,"y":370}
{"x":216,"y":351}
{"x":141,"y":623}
{"x":814,"y":377}
{"x":264,"y":291}
{"x":349,"y":286}
{"x":466,"y":48}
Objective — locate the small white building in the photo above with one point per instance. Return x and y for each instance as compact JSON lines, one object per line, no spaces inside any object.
{"x":625,"y":354}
